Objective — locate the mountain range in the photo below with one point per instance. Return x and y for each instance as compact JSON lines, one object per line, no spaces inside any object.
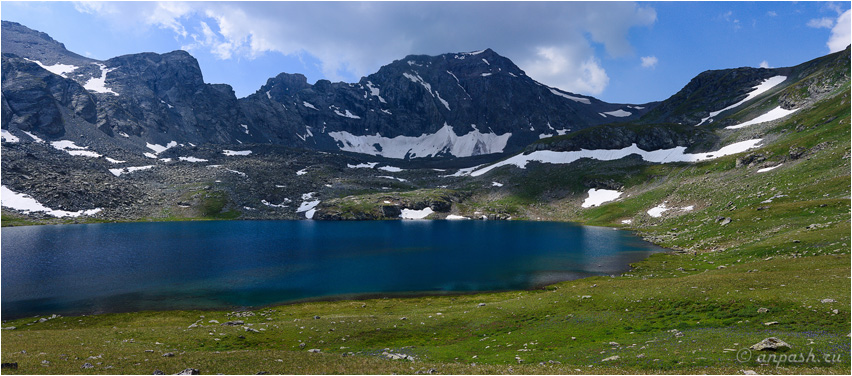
{"x":143,"y":136}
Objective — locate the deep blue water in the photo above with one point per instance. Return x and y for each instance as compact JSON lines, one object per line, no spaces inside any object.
{"x":96,"y":268}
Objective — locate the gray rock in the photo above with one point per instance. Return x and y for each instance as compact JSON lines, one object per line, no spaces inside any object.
{"x":189,"y":371}
{"x":158,"y":372}
{"x":614,"y":357}
{"x":168,"y":354}
{"x":762,"y":310}
{"x":314,"y":350}
{"x":233,"y":323}
{"x":771,"y":344}
{"x":827,"y":301}
{"x":87,"y":366}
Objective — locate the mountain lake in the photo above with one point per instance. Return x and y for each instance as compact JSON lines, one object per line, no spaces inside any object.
{"x":123,"y":267}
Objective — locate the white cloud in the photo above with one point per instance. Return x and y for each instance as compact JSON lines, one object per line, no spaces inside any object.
{"x":819,"y":23}
{"x":764,"y":64}
{"x":352,"y":39}
{"x":649,"y":61}
{"x":771,"y":13}
{"x":840,"y":34}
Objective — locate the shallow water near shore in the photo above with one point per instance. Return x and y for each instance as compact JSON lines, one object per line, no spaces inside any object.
{"x":100,"y":268}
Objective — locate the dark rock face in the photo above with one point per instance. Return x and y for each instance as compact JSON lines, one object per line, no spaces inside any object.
{"x":650,"y":137}
{"x":35,"y":98}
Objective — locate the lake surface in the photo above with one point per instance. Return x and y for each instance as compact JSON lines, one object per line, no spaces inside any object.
{"x":97,"y":268}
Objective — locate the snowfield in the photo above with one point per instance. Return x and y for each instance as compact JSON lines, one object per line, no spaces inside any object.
{"x":675,"y":154}
{"x":444,"y":140}
{"x":774,"y":114}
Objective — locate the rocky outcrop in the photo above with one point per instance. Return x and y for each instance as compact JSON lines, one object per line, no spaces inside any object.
{"x":646,"y":137}
{"x":709,"y":91}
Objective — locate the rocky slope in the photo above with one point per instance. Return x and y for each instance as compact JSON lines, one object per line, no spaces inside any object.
{"x":451,"y":105}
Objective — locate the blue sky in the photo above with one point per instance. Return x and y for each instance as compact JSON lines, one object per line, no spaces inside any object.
{"x":628,"y":52}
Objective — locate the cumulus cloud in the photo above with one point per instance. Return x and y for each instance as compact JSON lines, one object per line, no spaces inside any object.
{"x":649,"y":61}
{"x":352,"y":39}
{"x":840,"y":34}
{"x":764,"y":64}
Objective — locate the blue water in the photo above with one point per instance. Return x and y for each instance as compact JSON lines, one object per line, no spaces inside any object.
{"x":97,"y":268}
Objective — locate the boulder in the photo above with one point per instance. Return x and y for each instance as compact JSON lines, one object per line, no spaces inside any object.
{"x":771,"y":344}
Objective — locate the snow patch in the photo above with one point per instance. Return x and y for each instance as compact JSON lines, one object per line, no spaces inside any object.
{"x":658,"y":210}
{"x":390,"y":169}
{"x":149,"y":155}
{"x":374,"y":91}
{"x":160,"y":148}
{"x":271,"y":205}
{"x":245,"y":128}
{"x":769,"y":168}
{"x":232,"y":153}
{"x":392,"y":177}
{"x":9,"y":137}
{"x":127,"y":170}
{"x":192,"y":159}
{"x":496,"y":184}
{"x":627,"y":221}
{"x":347,"y":114}
{"x":98,"y":85}
{"x":27,"y":204}
{"x":445,"y":103}
{"x":70,"y":148}
{"x":308,"y":207}
{"x":302,"y":171}
{"x":115,"y":161}
{"x":599,"y":196}
{"x":58,"y":69}
{"x":573,"y":98}
{"x":675,"y":154}
{"x":417,"y":79}
{"x":415,"y":214}
{"x":363,"y":165}
{"x":34,"y":137}
{"x":452,"y":217}
{"x":308,"y":105}
{"x":774,"y":114}
{"x":618,"y":113}
{"x":444,"y":140}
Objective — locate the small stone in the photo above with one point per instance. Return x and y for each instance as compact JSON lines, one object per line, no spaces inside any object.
{"x":189,"y":371}
{"x":302,"y":345}
{"x":481,"y":305}
{"x":168,"y":355}
{"x":158,"y":372}
{"x":314,"y":350}
{"x":614,"y":357}
{"x":762,"y":310}
{"x":749,"y":372}
{"x":233,"y":323}
{"x":316,"y":317}
{"x":770,"y":323}
{"x":827,"y":301}
{"x":87,"y":366}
